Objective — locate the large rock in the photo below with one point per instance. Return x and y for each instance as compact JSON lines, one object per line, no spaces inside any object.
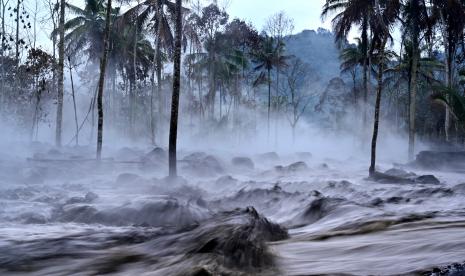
{"x":292,"y":168}
{"x":243,"y":163}
{"x":156,"y":155}
{"x":405,"y":178}
{"x":437,"y":160}
{"x":202,"y":165}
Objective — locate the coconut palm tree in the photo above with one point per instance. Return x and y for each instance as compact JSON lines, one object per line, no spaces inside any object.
{"x":352,"y":58}
{"x":176,"y":89}
{"x":416,"y":21}
{"x":385,"y":16}
{"x":103,"y":64}
{"x":451,"y":19}
{"x":85,"y":31}
{"x":349,"y":13}
{"x":266,"y":58}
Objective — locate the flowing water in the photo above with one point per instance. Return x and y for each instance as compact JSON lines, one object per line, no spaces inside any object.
{"x":288,"y":214}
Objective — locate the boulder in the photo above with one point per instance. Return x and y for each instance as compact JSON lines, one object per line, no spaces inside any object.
{"x":243,"y":163}
{"x":292,"y":168}
{"x":399,"y":173}
{"x":427,"y":179}
{"x":156,"y":155}
{"x":451,"y":160}
{"x":269,"y":157}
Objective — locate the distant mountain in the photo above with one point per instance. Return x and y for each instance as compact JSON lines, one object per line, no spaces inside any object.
{"x":317,"y":48}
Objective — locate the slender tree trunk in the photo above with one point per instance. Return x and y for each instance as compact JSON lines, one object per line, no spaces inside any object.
{"x":269,"y":104}
{"x":413,"y":81}
{"x":161,"y":98}
{"x":365,"y":71}
{"x":449,"y":85}
{"x":61,"y":58}
{"x":377,"y":109}
{"x":134,"y":90}
{"x":17,"y":33}
{"x":152,"y":95}
{"x":74,"y":102}
{"x":103,"y":65}
{"x":176,"y":91}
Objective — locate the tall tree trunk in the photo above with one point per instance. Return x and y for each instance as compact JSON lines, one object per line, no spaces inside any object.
{"x":176,"y":89}
{"x":152,"y":95}
{"x":365,"y":71}
{"x":413,"y":80}
{"x":61,"y":59}
{"x":269,"y":105}
{"x":101,"y":82}
{"x":377,"y":108}
{"x":449,"y":85}
{"x":134,"y":91}
{"x":161,"y":99}
{"x":74,"y":101}
{"x":17,"y":32}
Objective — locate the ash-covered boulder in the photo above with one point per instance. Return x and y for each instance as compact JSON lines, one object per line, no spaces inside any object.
{"x":427,"y":179}
{"x":202,"y":165}
{"x":226,"y":180}
{"x":243,"y":163}
{"x":385,"y":178}
{"x":399,"y":173}
{"x":155,"y":156}
{"x":292,"y":168}
{"x":437,"y":160}
{"x":268,"y":157}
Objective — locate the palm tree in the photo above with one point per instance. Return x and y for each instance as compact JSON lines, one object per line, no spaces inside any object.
{"x":351,"y":58}
{"x":452,"y":99}
{"x":415,"y":20}
{"x":384,"y":17}
{"x":267,"y":57}
{"x":451,"y":14}
{"x":85,"y":31}
{"x":103,"y":64}
{"x":222,"y":61}
{"x":349,"y":13}
{"x":176,"y":89}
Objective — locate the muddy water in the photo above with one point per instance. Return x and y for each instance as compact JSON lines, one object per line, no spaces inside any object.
{"x":307,"y":216}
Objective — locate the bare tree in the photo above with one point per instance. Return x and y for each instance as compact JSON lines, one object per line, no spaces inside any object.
{"x":297,"y":99}
{"x":176,"y":90}
{"x":101,"y":81}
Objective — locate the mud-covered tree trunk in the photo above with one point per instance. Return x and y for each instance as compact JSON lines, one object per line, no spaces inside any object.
{"x":101,"y":81}
{"x":61,"y":58}
{"x":176,"y":90}
{"x":377,"y":109}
